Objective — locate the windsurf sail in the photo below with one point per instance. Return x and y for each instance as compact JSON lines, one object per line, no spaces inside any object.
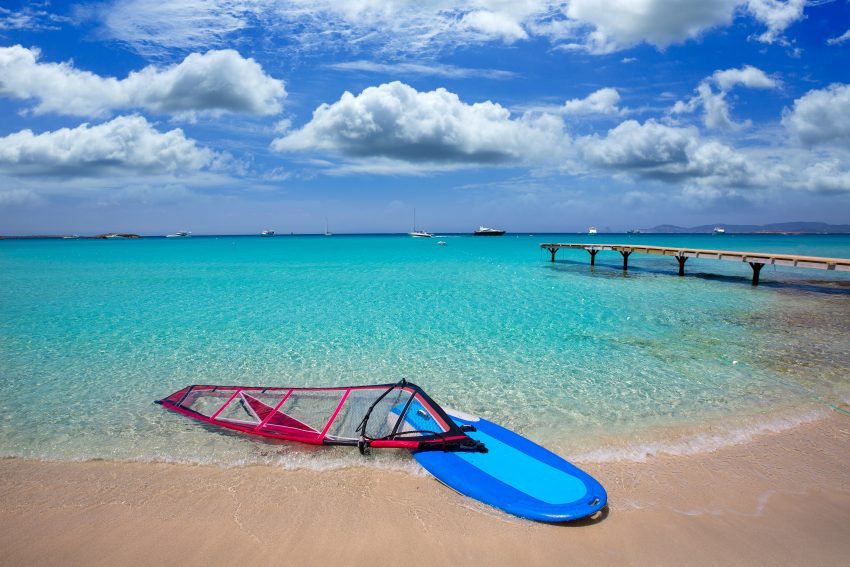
{"x":398,"y":415}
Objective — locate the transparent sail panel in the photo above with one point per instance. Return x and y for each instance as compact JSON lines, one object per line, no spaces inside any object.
{"x":206,"y":402}
{"x":419,"y":417}
{"x":382,"y":419}
{"x":251,"y":407}
{"x":308,"y":410}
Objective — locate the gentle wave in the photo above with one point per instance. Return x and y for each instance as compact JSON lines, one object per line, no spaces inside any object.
{"x":397,"y":462}
{"x":334,"y":459}
{"x":698,"y":443}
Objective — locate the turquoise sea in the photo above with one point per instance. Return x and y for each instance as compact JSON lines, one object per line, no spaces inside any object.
{"x":596,"y":364}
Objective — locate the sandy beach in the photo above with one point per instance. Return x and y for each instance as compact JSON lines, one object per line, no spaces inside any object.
{"x":782,"y":499}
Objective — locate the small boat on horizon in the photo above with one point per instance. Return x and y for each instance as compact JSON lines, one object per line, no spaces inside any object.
{"x":71,"y":237}
{"x":486,"y":231}
{"x":418,"y":233}
{"x":633,"y":231}
{"x":267,"y":233}
{"x":113,"y":236}
{"x":718,"y":230}
{"x":327,"y":232}
{"x":592,"y":231}
{"x":178,"y":234}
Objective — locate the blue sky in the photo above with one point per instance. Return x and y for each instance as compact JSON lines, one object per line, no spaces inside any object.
{"x":218,"y":116}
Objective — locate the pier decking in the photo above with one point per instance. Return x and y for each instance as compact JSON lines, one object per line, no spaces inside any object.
{"x":756,"y":260}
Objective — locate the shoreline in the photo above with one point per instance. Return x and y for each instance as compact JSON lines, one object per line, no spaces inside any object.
{"x":781,"y":498}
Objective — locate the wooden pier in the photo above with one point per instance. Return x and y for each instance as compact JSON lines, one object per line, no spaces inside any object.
{"x":756,"y":260}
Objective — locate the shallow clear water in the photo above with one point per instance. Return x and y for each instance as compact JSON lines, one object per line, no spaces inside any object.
{"x":594,"y":363}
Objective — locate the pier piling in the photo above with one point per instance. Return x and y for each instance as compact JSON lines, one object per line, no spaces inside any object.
{"x":756,"y":271}
{"x":682,"y":259}
{"x":626,"y":254}
{"x":592,"y":252}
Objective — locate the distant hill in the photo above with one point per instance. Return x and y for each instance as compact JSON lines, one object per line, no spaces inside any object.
{"x":798,"y":227}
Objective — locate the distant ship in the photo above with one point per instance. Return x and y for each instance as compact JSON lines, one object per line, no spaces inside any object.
{"x":116,"y":235}
{"x":633,"y":231}
{"x":418,"y":233}
{"x":591,"y":231}
{"x":719,"y":230}
{"x":71,"y":237}
{"x":267,"y":233}
{"x":485,"y":231}
{"x":178,"y":234}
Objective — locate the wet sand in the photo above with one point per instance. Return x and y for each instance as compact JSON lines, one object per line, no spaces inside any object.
{"x":782,"y":499}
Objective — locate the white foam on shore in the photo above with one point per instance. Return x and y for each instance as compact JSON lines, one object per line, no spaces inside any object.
{"x":697,"y":443}
{"x":327,"y":460}
{"x":689,"y":440}
{"x":322,"y":461}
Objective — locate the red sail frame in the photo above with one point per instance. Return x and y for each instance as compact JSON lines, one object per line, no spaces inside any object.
{"x":270,"y":421}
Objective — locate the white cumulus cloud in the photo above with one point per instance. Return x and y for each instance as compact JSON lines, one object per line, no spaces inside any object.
{"x":398,"y":122}
{"x":214,"y":82}
{"x":494,"y":24}
{"x":124,"y":145}
{"x":747,"y":76}
{"x":624,"y":23}
{"x":777,"y":15}
{"x":716,"y":112}
{"x":656,"y":151}
{"x":827,"y":176}
{"x":603,"y":101}
{"x":821,"y":116}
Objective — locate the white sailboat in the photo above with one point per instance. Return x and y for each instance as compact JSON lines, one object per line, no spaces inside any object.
{"x":418,"y":233}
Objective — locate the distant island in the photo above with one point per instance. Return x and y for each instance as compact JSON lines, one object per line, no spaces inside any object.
{"x":66,"y":236}
{"x":775,"y":228}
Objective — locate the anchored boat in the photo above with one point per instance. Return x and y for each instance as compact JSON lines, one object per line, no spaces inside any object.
{"x":469,"y":454}
{"x":486,"y":231}
{"x":418,"y":233}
